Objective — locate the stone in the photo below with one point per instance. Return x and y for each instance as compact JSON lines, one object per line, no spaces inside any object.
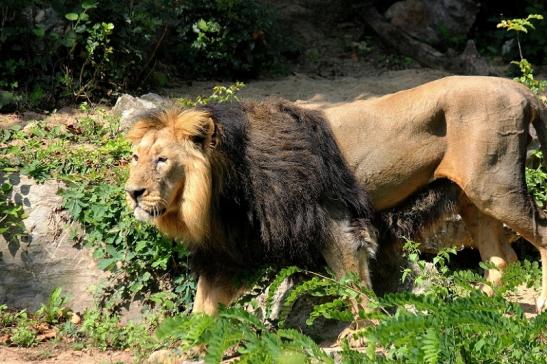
{"x":128,"y":107}
{"x":471,"y":63}
{"x":433,"y":21}
{"x":44,"y":257}
{"x":31,"y":115}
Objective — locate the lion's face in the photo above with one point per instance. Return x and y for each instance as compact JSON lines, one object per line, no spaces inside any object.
{"x":156,"y":175}
{"x":170,"y":176}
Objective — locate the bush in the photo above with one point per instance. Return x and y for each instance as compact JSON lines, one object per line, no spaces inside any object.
{"x":66,"y":50}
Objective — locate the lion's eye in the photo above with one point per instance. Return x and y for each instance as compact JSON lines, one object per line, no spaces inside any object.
{"x":161,"y":160}
{"x":135,"y":157}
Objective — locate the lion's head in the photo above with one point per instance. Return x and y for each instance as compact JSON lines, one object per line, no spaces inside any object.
{"x":170,"y":175}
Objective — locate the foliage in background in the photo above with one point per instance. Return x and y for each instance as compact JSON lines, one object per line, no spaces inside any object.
{"x":92,"y":49}
{"x":536,"y":176}
{"x":519,"y":26}
{"x":495,"y":43}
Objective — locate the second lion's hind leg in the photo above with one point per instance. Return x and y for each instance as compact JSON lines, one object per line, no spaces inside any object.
{"x":490,"y":239}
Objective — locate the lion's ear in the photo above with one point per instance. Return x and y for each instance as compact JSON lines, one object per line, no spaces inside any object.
{"x":206,"y":134}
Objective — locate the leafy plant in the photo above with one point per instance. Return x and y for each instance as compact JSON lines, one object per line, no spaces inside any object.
{"x":237,"y":331}
{"x":536,"y":180}
{"x":23,"y":335}
{"x":522,"y":25}
{"x":451,"y":321}
{"x":55,"y":310}
{"x":10,"y":214}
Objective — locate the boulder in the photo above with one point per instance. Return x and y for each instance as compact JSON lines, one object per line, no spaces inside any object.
{"x":432,"y":21}
{"x":127,"y":107}
{"x":42,"y":255}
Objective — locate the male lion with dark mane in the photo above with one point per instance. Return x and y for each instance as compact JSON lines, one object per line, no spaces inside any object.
{"x":247,"y":184}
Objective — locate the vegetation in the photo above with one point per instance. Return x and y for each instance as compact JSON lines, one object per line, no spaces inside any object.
{"x":90,"y":159}
{"x":536,"y":177}
{"x":95,"y":49}
{"x":55,"y":321}
{"x":518,"y":26}
{"x":450,"y":322}
{"x":66,"y":51}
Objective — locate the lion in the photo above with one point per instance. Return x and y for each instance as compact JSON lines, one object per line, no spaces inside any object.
{"x":470,"y":131}
{"x":248,"y":184}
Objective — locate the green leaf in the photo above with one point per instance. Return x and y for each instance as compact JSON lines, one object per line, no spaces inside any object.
{"x":86,"y":5}
{"x":71,"y":16}
{"x":39,"y":31}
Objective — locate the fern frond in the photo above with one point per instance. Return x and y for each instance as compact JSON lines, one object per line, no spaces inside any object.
{"x":315,"y":287}
{"x":304,"y":343}
{"x":431,"y":346}
{"x":285,"y":273}
{"x":336,"y":309}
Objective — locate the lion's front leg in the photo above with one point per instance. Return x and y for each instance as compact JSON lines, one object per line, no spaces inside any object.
{"x":352,"y":246}
{"x":212,"y":291}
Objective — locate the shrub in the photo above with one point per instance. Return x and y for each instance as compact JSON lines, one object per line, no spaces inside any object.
{"x":69,"y":50}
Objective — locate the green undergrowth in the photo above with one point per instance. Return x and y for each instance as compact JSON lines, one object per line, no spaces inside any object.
{"x":451,"y":321}
{"x":59,"y":52}
{"x":55,"y":322}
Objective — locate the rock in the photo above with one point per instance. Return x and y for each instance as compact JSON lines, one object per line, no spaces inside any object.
{"x":433,"y":21}
{"x":322,"y":330}
{"x":44,"y":257}
{"x":166,"y":356}
{"x":128,"y":107}
{"x":153,"y":98}
{"x":471,"y":62}
{"x":31,"y":115}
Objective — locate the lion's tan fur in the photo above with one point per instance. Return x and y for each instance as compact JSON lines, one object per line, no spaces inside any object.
{"x":471,"y":130}
{"x":187,"y":217}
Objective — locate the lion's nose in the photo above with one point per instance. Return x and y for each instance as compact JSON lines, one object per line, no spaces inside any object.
{"x":135,"y":192}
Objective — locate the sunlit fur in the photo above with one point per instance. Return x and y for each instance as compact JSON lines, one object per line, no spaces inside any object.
{"x":187,"y":211}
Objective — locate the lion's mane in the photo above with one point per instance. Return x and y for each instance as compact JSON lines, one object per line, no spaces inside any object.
{"x":276,"y":176}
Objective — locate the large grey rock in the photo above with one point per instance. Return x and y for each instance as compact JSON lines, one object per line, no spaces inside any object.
{"x":434,"y":21}
{"x":44,"y":257}
{"x":128,"y":107}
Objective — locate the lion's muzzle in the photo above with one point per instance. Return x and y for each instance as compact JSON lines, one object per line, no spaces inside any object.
{"x":135,"y":192}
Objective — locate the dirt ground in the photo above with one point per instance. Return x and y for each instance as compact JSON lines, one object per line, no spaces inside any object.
{"x":49,"y":353}
{"x":321,"y":92}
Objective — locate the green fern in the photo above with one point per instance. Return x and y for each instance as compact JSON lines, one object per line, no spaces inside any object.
{"x":284,"y":274}
{"x":431,"y":346}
